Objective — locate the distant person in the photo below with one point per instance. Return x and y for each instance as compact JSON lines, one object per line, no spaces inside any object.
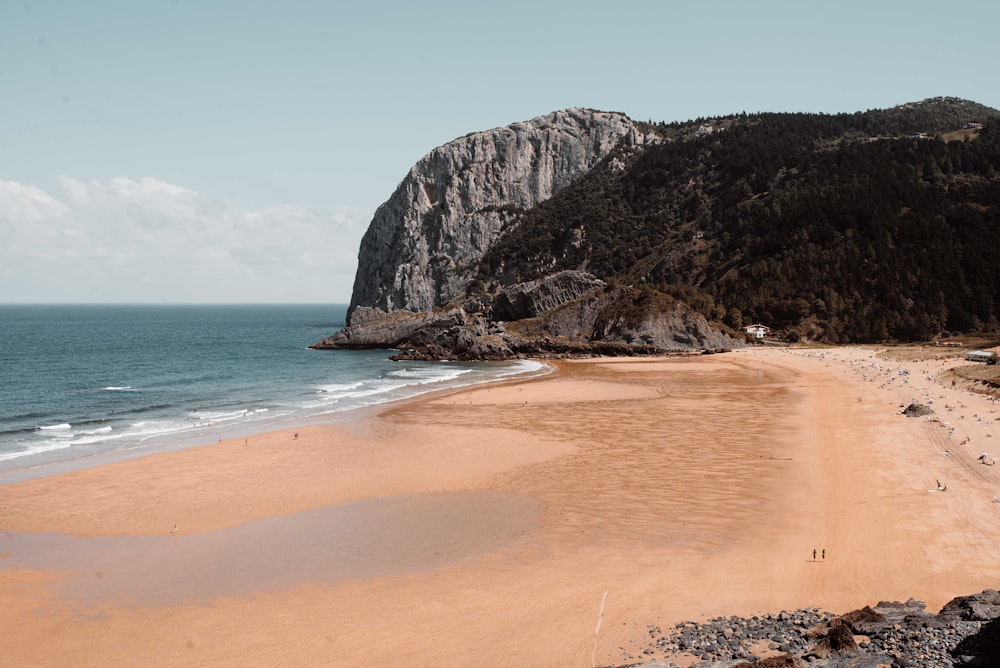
{"x":814,"y":555}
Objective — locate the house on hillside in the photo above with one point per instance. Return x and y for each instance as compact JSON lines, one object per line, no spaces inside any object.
{"x":973,"y":126}
{"x":757,"y":331}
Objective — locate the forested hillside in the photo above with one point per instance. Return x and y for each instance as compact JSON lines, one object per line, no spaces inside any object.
{"x":873,"y":226}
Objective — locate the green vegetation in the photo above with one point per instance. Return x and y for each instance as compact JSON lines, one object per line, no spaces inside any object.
{"x":837,"y":227}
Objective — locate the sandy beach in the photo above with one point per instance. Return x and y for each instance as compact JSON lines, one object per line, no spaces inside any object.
{"x":486,"y":526}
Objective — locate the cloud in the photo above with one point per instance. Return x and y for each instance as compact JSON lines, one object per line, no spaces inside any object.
{"x":152,"y":241}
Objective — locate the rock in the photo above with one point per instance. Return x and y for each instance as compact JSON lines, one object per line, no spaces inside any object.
{"x":838,"y":640}
{"x":901,"y":634}
{"x":531,"y":299}
{"x":563,"y":315}
{"x":374,"y":328}
{"x":863,"y":620}
{"x":423,"y":244}
{"x":983,"y":607}
{"x":599,"y":316}
{"x":783,"y":661}
{"x":917,"y":410}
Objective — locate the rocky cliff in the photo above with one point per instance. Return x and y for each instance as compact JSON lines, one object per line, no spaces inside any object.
{"x":424,"y":244}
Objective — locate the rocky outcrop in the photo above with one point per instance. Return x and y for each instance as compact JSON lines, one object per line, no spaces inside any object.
{"x":424,"y":243}
{"x":563,"y":315}
{"x":981,"y":607}
{"x":596,"y":316}
{"x":374,"y":328}
{"x":533,"y":298}
{"x":680,"y":325}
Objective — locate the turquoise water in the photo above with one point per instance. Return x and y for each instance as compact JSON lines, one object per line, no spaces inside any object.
{"x":82,"y":380}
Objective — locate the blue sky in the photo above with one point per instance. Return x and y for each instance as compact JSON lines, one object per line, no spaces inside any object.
{"x":173,"y":150}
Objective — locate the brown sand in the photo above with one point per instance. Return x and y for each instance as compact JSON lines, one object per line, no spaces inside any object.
{"x":683,"y":488}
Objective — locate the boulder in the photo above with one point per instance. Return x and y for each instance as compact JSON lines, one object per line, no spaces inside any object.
{"x":864,"y":620}
{"x":981,"y":607}
{"x":917,"y":410}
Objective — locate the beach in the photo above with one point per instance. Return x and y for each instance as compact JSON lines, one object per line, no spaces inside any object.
{"x":501,"y":525}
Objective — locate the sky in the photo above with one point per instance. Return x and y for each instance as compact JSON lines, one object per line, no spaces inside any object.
{"x":210,"y":151}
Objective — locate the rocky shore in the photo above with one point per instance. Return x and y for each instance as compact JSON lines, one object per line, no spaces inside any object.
{"x":568,"y":314}
{"x":966,"y":632}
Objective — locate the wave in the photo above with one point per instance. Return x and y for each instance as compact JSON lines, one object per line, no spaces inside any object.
{"x":430,"y":374}
{"x":91,"y":432}
{"x":412,"y":381}
{"x":526,"y":367}
{"x":204,"y":416}
{"x":144,"y":409}
{"x":144,"y":430}
{"x":118,"y":388}
{"x":369,"y":391}
{"x":84,"y":422}
{"x":338,"y":387}
{"x":34,"y":450}
{"x":18,"y":430}
{"x":93,"y":439}
{"x":65,"y":426}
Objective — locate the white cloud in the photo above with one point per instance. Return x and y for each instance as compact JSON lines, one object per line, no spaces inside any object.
{"x":148,"y":240}
{"x":28,"y":203}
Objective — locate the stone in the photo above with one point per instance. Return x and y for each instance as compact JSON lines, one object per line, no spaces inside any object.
{"x":861,"y":621}
{"x":917,"y":410}
{"x":983,"y":607}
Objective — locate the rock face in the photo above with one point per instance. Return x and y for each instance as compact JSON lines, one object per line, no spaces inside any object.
{"x":422,"y":246}
{"x":532,"y":299}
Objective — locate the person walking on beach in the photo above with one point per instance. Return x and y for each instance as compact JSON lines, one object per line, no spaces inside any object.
{"x":814,"y":555}
{"x":824,"y":554}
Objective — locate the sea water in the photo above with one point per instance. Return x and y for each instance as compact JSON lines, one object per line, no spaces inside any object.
{"x":80,"y":381}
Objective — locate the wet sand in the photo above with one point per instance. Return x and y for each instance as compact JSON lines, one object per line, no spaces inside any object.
{"x":684,"y":488}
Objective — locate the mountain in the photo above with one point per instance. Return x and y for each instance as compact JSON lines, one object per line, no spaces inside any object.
{"x":872,"y":226}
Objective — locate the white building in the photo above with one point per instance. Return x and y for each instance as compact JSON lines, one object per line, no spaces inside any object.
{"x":757,"y":331}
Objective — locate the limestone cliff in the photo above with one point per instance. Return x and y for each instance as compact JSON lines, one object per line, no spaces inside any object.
{"x":424,"y":243}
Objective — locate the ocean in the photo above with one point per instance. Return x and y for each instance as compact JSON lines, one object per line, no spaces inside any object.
{"x":83,"y":384}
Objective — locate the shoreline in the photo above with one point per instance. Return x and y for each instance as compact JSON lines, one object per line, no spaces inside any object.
{"x":200,"y":436}
{"x":685,"y":489}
